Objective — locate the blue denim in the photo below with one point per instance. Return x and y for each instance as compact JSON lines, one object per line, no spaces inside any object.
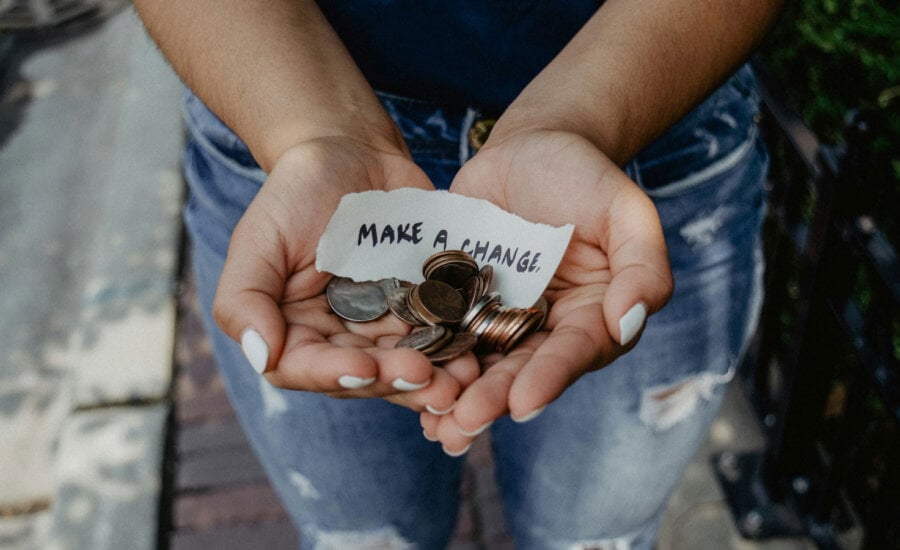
{"x":596,"y":468}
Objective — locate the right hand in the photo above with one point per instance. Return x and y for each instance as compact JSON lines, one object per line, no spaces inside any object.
{"x":270,"y":286}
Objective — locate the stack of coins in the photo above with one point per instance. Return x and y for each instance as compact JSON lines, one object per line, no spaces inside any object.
{"x":453,"y":304}
{"x":501,"y":328}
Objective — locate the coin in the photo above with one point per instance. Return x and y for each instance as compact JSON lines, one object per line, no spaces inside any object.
{"x":397,"y":303}
{"x":437,"y":303}
{"x":425,"y":339}
{"x":475,"y":311}
{"x":461,"y":343}
{"x":457,"y":275}
{"x":528,"y":325}
{"x":358,"y":301}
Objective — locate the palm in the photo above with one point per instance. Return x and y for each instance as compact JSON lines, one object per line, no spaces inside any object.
{"x":271,"y":270}
{"x":616,"y":249}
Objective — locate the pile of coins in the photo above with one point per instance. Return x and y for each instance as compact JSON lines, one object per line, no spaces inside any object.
{"x":453,"y":306}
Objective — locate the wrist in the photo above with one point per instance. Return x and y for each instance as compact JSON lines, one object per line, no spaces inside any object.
{"x":375,"y":131}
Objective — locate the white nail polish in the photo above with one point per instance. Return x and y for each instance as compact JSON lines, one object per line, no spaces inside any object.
{"x":255,"y":349}
{"x":438,"y":412}
{"x":354,"y":382}
{"x":426,"y":436}
{"x":461,"y":452}
{"x":402,"y":385}
{"x":631,"y":323}
{"x":477,"y":431}
{"x":530,"y":416}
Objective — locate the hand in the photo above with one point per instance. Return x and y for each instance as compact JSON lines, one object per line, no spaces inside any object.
{"x":271,"y":298}
{"x":615,"y":272}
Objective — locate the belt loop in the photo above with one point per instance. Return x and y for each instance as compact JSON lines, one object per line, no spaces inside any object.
{"x":465,"y":152}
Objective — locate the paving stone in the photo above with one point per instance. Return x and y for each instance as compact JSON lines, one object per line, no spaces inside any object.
{"x":211,"y":405}
{"x":209,"y":437}
{"x":271,"y":536}
{"x":217,"y":469}
{"x":109,"y":468}
{"x":32,"y":409}
{"x":26,"y":531}
{"x":254,"y":503}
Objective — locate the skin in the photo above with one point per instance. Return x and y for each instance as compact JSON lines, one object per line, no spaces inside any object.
{"x":282,"y":80}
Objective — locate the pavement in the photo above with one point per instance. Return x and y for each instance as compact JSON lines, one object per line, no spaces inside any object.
{"x":90,"y":242}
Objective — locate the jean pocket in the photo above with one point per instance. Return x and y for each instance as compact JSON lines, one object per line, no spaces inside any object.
{"x":706,"y":142}
{"x":218,"y":140}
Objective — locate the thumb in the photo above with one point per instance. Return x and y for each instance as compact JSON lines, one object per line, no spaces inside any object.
{"x":246,"y":305}
{"x":641,"y":276}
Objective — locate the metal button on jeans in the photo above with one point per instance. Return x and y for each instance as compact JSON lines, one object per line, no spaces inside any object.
{"x":480,"y":131}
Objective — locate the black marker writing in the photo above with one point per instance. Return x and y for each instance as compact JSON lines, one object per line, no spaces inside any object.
{"x":498,"y":254}
{"x":410,"y":232}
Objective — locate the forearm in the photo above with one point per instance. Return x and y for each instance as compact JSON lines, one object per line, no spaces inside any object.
{"x":274,"y":71}
{"x":638,"y":66}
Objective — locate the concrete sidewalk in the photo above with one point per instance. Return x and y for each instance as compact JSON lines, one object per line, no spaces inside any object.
{"x":90,"y":193}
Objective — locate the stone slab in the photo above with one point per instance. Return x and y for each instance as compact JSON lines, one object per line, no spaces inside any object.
{"x":26,"y":532}
{"x":109,"y":479}
{"x":33,"y":406}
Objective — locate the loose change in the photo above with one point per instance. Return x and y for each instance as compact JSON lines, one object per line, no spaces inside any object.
{"x":453,"y":309}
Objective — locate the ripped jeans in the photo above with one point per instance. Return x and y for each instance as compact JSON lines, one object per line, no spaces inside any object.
{"x":596,"y":468}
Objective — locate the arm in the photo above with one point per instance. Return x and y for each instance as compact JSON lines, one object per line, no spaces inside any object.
{"x":274,"y":71}
{"x":554,"y":156}
{"x":278,"y":75}
{"x":636,"y":67}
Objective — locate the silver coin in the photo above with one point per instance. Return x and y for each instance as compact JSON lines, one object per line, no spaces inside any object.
{"x":485,"y":301}
{"x":396,"y":302}
{"x":360,"y":302}
{"x":424,"y":339}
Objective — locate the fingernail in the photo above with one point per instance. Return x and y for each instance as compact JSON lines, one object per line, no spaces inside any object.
{"x":255,"y":349}
{"x":530,"y":416}
{"x":631,"y":323}
{"x":428,"y":437}
{"x":461,"y":452}
{"x":477,"y":431}
{"x":403,"y":385}
{"x":432,"y":410}
{"x":354,"y":382}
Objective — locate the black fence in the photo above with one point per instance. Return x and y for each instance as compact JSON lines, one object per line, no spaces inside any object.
{"x":823,"y":372}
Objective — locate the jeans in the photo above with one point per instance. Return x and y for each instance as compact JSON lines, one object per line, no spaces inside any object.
{"x":596,"y":468}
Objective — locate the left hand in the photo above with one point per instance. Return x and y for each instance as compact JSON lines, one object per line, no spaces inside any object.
{"x":616,"y":264}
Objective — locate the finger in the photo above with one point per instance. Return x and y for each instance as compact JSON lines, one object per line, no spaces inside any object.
{"x":250,"y":288}
{"x":429,"y":424}
{"x":486,"y":399}
{"x":639,"y":263}
{"x":437,"y":398}
{"x":465,"y":369}
{"x":578,"y":343}
{"x":452,"y":439}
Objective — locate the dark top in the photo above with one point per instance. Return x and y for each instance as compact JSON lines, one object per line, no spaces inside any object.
{"x":465,"y":52}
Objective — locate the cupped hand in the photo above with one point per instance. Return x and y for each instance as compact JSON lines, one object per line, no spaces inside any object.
{"x":614,"y":273}
{"x":271,"y":299}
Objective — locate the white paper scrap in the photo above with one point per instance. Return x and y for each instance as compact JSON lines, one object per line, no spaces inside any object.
{"x":379,"y":234}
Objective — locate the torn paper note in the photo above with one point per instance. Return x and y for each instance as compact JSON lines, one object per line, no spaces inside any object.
{"x":379,"y":234}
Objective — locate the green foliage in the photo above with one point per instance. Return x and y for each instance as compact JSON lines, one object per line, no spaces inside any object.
{"x":831,"y":56}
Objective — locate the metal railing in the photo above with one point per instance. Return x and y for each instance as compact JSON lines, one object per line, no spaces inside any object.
{"x":823,"y":372}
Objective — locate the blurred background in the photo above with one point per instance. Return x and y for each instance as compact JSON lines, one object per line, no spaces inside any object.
{"x":115,"y":431}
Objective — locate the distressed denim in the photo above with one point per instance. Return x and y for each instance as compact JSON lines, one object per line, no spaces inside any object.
{"x":596,"y":468}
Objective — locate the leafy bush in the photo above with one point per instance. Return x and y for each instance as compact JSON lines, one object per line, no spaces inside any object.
{"x":831,"y":56}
